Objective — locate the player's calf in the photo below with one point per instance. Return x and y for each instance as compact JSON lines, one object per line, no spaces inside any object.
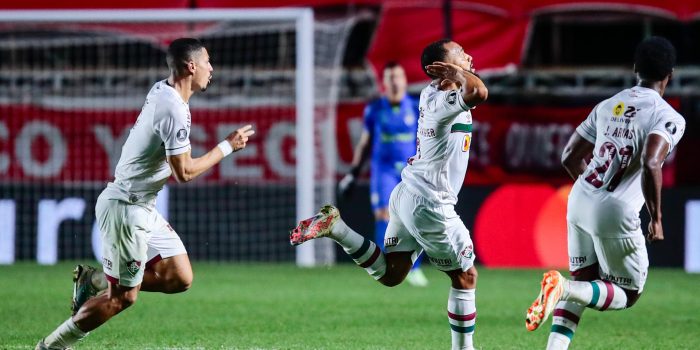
{"x":398,"y":265}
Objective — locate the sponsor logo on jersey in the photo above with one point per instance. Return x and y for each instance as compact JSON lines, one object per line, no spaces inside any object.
{"x":617,"y":111}
{"x":577,"y":260}
{"x":440,"y":262}
{"x":391,"y":241}
{"x":133,"y":267}
{"x":671,"y":128}
{"x":426,"y":132}
{"x":623,"y":281}
{"x":107,"y":263}
{"x":409,"y":119}
{"x":467,"y":143}
{"x":182,"y":135}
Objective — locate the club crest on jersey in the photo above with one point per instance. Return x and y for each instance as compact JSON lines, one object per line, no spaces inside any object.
{"x":133,"y":267}
{"x":619,"y":108}
{"x":671,"y":128}
{"x":468,"y":252}
{"x":452,"y":97}
{"x":182,"y":135}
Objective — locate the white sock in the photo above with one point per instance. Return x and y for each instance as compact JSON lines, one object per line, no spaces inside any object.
{"x":599,"y":295}
{"x":65,"y":335}
{"x":565,"y":320}
{"x":365,"y":252}
{"x":461,"y":313}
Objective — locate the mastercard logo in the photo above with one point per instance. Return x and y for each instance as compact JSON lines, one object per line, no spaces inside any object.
{"x":523,"y":226}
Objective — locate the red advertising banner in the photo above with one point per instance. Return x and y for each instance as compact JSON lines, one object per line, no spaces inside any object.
{"x":509,"y":143}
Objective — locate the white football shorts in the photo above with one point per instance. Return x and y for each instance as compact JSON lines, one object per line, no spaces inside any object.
{"x":604,"y":230}
{"x":133,"y":238}
{"x":417,"y":225}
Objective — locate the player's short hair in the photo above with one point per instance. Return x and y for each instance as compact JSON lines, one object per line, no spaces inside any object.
{"x":180,"y":53}
{"x":654,"y":58}
{"x":391,"y":64}
{"x":435,"y":51}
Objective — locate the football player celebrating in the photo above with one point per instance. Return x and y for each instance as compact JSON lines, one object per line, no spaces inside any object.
{"x":140,"y":250}
{"x":628,"y":136}
{"x":421,"y":207}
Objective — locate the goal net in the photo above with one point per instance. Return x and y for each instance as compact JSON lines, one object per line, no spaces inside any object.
{"x":73,"y":82}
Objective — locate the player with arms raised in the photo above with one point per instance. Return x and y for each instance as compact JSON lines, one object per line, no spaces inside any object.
{"x":629,"y":136}
{"x":140,"y":250}
{"x":421,"y":207}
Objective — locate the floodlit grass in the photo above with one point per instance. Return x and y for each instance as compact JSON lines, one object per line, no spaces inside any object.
{"x":259,"y":306}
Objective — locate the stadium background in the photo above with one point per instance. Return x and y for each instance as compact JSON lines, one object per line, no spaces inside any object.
{"x":546,"y":63}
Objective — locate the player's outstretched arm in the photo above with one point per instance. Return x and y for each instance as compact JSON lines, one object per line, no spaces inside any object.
{"x":573,"y":158}
{"x":185,"y":168}
{"x":653,"y":156}
{"x":474,"y":91}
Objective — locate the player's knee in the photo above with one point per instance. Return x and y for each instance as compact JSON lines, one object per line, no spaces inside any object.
{"x":472,"y":276}
{"x":632,"y":297}
{"x":179,"y":283}
{"x":391,"y":280}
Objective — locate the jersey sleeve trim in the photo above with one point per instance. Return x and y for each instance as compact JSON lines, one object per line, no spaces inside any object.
{"x":663,"y":134}
{"x":177,"y":151}
{"x":585,"y":134}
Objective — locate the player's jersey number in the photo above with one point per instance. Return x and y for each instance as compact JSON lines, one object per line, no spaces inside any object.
{"x":609,"y":152}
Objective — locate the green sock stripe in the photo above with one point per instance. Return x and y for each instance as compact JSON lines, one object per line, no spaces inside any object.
{"x":562,"y":330}
{"x":596,"y":294}
{"x":363,"y":249}
{"x":460,"y":329}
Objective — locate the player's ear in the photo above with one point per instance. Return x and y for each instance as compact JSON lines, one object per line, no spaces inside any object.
{"x":191,"y":67}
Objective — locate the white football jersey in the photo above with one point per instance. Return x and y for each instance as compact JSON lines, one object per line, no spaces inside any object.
{"x":162,"y":128}
{"x":619,"y":127}
{"x":437,"y":170}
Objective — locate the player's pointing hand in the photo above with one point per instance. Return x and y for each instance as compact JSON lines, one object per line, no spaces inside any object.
{"x":239,"y":138}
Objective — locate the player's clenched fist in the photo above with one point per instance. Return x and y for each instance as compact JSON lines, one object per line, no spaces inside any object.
{"x":239,"y":138}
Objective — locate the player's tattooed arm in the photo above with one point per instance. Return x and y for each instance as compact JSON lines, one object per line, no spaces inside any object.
{"x":575,"y":154}
{"x":653,"y":156}
{"x":473,"y":89}
{"x":185,"y":168}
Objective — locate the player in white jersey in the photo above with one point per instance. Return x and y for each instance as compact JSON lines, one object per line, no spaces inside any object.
{"x":140,"y":250}
{"x":629,"y":136}
{"x":421,"y":207}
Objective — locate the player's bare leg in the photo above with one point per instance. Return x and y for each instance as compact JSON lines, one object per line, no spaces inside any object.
{"x":415,"y":275}
{"x":169,"y":275}
{"x":461,"y":307}
{"x":91,"y":315}
{"x":398,"y":265}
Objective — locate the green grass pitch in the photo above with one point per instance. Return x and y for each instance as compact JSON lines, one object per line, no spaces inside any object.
{"x":259,"y":306}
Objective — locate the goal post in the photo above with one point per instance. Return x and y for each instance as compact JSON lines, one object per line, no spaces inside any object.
{"x":118,"y":85}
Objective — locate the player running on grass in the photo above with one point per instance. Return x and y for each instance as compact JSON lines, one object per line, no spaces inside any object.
{"x":421,"y":208}
{"x":140,"y":250}
{"x":629,"y":136}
